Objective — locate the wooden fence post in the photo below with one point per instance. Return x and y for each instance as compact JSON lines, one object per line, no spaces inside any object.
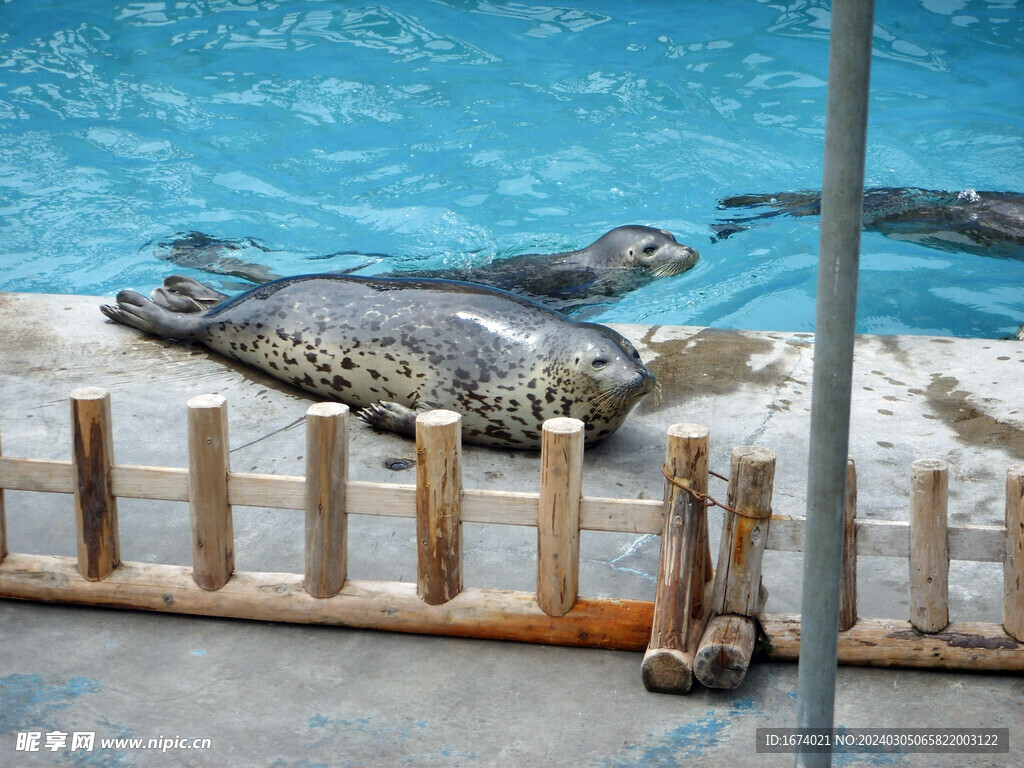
{"x":438,"y":506}
{"x":679,"y":598}
{"x":3,"y":520}
{"x":728,"y":642}
{"x":929,"y":548}
{"x":213,"y":539}
{"x":326,"y":485}
{"x":558,"y":520}
{"x":848,"y":577}
{"x":1013,"y":562}
{"x":92,"y":458}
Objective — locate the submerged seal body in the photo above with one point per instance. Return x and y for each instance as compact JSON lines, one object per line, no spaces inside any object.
{"x":217,"y":255}
{"x":397,"y":346}
{"x":985,"y":223}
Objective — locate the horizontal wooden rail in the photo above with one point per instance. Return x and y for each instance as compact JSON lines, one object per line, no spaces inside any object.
{"x":480,"y":613}
{"x":875,"y":538}
{"x":891,"y":538}
{"x":364,"y":498}
{"x":969,"y":646}
{"x":394,"y":606}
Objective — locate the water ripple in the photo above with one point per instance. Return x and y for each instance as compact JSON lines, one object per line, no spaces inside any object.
{"x":551,"y":20}
{"x":277,"y":27}
{"x":813,"y":20}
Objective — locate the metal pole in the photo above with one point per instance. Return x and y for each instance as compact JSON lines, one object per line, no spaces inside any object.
{"x":842,"y":191}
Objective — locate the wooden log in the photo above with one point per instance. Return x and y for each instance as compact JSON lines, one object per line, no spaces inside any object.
{"x":738,"y":577}
{"x":848,"y":575}
{"x":92,"y":457}
{"x":213,"y":539}
{"x":3,"y":519}
{"x":929,"y":549}
{"x":326,"y":513}
{"x":704,"y":565}
{"x":393,"y":606}
{"x":727,"y":644}
{"x":558,"y":517}
{"x":725,"y":651}
{"x":965,"y":646}
{"x":481,"y":613}
{"x":438,"y":505}
{"x":1013,"y":564}
{"x":678,"y":604}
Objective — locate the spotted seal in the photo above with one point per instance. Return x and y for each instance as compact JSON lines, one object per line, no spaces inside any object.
{"x":396,"y":346}
{"x":622,"y":260}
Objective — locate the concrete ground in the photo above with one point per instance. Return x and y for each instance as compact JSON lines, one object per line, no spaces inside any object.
{"x":284,"y":696}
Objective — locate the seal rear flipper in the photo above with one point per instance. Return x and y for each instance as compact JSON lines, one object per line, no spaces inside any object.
{"x":185,"y":294}
{"x":135,"y":310}
{"x":392,"y":417}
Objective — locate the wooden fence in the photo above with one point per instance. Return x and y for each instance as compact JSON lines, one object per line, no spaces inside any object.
{"x":703,"y":621}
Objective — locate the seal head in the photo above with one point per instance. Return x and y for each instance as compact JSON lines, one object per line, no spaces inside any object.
{"x":638,"y":247}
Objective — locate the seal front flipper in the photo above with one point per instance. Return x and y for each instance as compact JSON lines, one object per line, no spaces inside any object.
{"x":135,"y":310}
{"x":392,"y":417}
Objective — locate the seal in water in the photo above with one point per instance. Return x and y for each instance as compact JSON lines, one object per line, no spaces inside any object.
{"x":984,"y":223}
{"x":397,"y":346}
{"x":215,"y":255}
{"x":620,"y":261}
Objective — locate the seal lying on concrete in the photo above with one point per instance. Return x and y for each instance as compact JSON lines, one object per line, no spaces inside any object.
{"x":397,"y":346}
{"x":622,"y":260}
{"x":986,"y":223}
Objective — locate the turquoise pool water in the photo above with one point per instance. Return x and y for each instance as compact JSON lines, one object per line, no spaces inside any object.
{"x":447,"y":132}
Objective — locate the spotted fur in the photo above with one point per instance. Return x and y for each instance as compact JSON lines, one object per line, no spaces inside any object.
{"x":392,"y":346}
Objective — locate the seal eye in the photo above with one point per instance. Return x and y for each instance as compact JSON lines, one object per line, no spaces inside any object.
{"x":599,"y":363}
{"x":650,"y":250}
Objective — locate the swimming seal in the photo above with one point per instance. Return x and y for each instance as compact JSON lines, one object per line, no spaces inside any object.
{"x":216,"y":255}
{"x":397,"y":346}
{"x":622,"y":260}
{"x":983,"y":223}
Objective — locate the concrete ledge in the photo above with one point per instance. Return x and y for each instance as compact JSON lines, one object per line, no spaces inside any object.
{"x":276,"y":695}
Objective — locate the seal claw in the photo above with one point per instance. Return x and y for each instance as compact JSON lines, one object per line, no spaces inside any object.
{"x":394,"y":417}
{"x":391,"y":417}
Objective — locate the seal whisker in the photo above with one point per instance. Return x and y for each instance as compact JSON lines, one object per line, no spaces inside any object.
{"x":675,"y":266}
{"x":615,"y":396}
{"x":657,"y":392}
